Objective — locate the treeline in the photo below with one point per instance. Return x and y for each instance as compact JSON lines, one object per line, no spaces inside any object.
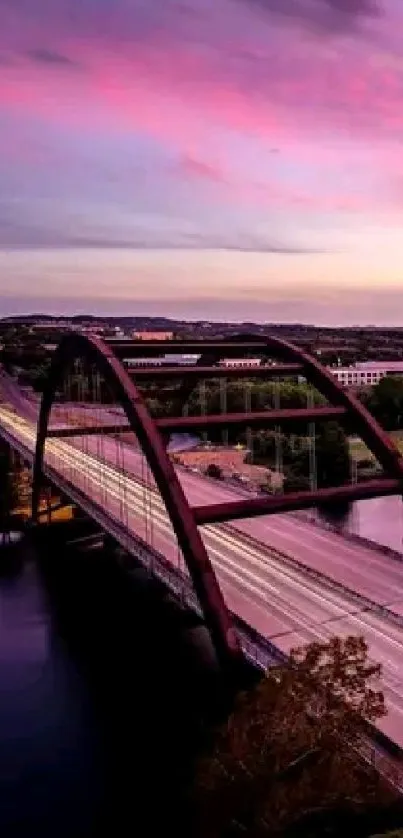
{"x":385,"y":402}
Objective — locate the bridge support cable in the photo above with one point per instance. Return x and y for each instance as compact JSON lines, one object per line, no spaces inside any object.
{"x":80,"y":403}
{"x":150,"y":504}
{"x":118,"y":466}
{"x":313,"y":476}
{"x":101,"y":438}
{"x":83,"y":399}
{"x":124,"y":490}
{"x":353,"y":522}
{"x":70,"y":462}
{"x":278,"y":441}
{"x":203,"y":405}
{"x":98,"y":441}
{"x":248,"y":409}
{"x":144,"y":498}
{"x":223,"y":409}
{"x":85,"y":437}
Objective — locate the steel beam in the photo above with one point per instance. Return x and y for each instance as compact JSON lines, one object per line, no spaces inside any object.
{"x":184,"y":372}
{"x":153,"y":348}
{"x":96,"y":430}
{"x":264,"y":418}
{"x":275,"y":504}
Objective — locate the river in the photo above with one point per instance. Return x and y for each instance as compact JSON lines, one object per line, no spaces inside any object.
{"x":47,"y":740}
{"x":379,"y":520}
{"x":101,"y":692}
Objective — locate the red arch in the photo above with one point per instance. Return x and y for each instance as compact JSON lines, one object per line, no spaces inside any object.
{"x":377,"y":440}
{"x":93,"y":349}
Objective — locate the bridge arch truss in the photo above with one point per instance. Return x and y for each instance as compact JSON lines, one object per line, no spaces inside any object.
{"x":108,"y":357}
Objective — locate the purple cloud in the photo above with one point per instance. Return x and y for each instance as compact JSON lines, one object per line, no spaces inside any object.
{"x":50,"y":57}
{"x":332,"y":15}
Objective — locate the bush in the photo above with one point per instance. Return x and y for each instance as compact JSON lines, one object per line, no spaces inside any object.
{"x":213,"y":470}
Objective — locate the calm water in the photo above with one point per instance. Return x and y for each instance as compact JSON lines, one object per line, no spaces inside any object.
{"x":102,"y":697}
{"x":47,"y":741}
{"x":380,"y":520}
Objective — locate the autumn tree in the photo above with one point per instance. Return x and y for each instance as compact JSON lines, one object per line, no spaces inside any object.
{"x":291,"y":745}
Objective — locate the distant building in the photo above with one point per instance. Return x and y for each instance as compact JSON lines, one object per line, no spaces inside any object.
{"x":163,"y":361}
{"x":143,"y":362}
{"x":366,"y":373}
{"x":240,"y":363}
{"x":51,"y":326}
{"x":153,"y":335}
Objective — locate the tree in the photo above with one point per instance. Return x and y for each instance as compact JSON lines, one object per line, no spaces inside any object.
{"x":333,"y":455}
{"x":289,"y":748}
{"x":295,"y":482}
{"x":386,"y":402}
{"x":213,"y":470}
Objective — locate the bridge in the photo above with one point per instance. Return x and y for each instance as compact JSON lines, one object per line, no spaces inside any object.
{"x":262,"y":577}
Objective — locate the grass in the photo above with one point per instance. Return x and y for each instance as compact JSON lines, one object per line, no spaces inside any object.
{"x":359,"y":450}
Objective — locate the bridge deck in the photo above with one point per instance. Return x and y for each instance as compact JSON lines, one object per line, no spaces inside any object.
{"x":279,"y":600}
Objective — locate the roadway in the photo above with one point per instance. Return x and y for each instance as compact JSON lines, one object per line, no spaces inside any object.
{"x":283,"y":603}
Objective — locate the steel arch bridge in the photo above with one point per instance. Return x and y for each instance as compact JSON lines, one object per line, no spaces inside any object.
{"x":109,"y":357}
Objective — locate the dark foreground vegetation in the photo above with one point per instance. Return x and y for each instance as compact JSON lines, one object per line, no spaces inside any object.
{"x":287,"y":762}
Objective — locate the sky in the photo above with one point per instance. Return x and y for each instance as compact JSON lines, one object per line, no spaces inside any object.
{"x":237,"y":159}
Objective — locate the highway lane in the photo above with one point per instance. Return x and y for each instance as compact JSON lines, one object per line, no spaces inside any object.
{"x":366,"y":570}
{"x":369,"y":572}
{"x":281,"y":603}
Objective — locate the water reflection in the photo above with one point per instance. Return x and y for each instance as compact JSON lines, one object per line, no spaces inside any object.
{"x":47,"y":758}
{"x":378,"y":519}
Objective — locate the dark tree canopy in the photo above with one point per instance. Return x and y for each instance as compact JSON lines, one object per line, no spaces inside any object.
{"x":290,"y":747}
{"x":214,"y":470}
{"x":385,"y":401}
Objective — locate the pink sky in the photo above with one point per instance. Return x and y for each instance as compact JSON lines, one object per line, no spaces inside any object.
{"x":203,"y":157}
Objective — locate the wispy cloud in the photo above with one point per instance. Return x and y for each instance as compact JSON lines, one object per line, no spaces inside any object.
{"x":50,"y":57}
{"x":195,"y":168}
{"x":20,"y":235}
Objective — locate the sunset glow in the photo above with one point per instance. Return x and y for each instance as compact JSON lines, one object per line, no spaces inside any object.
{"x":203,"y":158}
